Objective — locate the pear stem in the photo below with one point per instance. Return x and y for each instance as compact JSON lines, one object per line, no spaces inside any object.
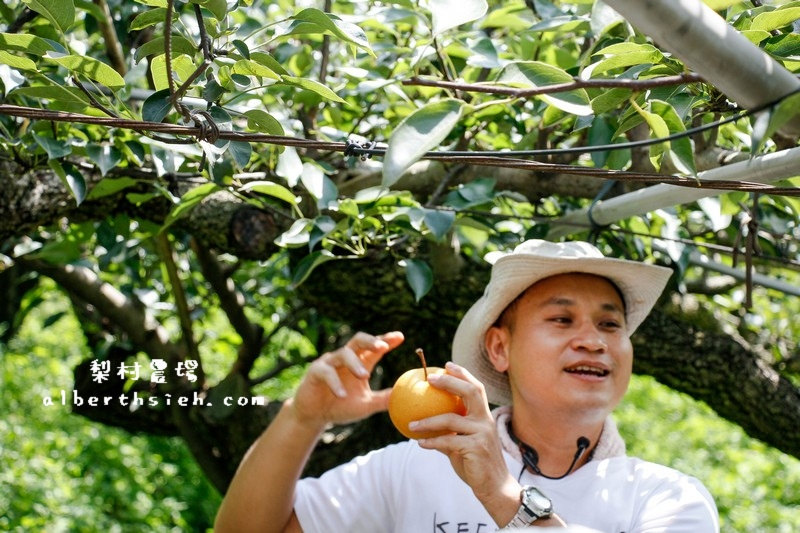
{"x":421,"y":355}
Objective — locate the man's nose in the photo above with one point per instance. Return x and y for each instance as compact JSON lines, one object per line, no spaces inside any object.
{"x":589,"y":338}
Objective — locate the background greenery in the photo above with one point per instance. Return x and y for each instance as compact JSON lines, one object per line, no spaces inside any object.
{"x":61,"y":472}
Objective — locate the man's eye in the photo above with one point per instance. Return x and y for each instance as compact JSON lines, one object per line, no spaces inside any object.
{"x":561,"y":319}
{"x":611,"y":324}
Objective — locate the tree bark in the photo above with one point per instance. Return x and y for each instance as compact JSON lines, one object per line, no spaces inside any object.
{"x":724,"y":372}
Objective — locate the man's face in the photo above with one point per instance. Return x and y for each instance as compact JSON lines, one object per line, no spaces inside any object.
{"x":565,"y":346}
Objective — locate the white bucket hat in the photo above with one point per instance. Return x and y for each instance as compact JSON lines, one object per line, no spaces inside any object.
{"x":513,"y":272}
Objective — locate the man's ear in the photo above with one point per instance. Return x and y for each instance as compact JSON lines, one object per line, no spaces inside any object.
{"x":496,"y":342}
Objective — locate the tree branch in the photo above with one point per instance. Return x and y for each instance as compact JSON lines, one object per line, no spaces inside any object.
{"x":634,"y":85}
{"x":125,"y":312}
{"x":26,"y":16}
{"x":233,"y":304}
{"x":724,"y":372}
{"x":167,"y":255}
{"x":113,"y":47}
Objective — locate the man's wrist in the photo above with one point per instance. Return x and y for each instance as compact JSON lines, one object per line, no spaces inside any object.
{"x":501,"y":503}
{"x":533,"y":506}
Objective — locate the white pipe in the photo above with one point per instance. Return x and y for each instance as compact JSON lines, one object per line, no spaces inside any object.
{"x":714,"y":49}
{"x":700,"y":260}
{"x":763,"y":169}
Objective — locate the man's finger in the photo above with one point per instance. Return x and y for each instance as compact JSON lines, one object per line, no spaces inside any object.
{"x":371,"y":348}
{"x":328,"y":375}
{"x":460,"y":382}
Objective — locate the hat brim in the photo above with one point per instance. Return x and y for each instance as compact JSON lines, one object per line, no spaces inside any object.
{"x":641,"y":285}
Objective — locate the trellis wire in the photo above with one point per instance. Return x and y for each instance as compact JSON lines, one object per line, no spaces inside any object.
{"x":490,"y":159}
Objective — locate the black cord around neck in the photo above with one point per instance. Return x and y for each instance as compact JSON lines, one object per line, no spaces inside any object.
{"x":530,"y":459}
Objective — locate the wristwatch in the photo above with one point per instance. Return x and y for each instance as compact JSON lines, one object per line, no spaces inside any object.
{"x":533,"y":506}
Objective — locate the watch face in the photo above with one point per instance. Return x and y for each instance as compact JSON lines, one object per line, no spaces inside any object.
{"x":538,"y":502}
{"x":539,"y":499}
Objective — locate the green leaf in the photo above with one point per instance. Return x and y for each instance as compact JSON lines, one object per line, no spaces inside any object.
{"x":149,"y":18}
{"x":323,"y":225}
{"x":71,"y":177}
{"x":241,"y":47}
{"x":179,"y":44}
{"x":138,"y":199}
{"x":90,"y":7}
{"x":600,"y":133}
{"x":439,"y":221}
{"x":772,"y":119}
{"x":476,"y":192}
{"x":297,"y":235}
{"x":109,"y":186}
{"x":17,"y":62}
{"x":247,"y":67}
{"x":424,"y":129}
{"x":564,"y":23}
{"x":89,"y":67}
{"x":313,"y":86}
{"x":260,"y":120}
{"x":681,"y":152}
{"x":182,"y":67}
{"x":719,"y":5}
{"x":188,"y":201}
{"x":105,"y":156}
{"x":511,"y":16}
{"x":263,"y":58}
{"x":625,"y":55}
{"x":756,"y":36}
{"x":305,"y":20}
{"x":419,"y":276}
{"x":785,"y":46}
{"x":241,"y":152}
{"x":610,"y":99}
{"x":319,"y":185}
{"x":272,"y":189}
{"x":56,"y":93}
{"x":290,"y":166}
{"x":55,"y":149}
{"x":658,"y":128}
{"x":219,"y":8}
{"x":156,"y":106}
{"x":533,"y":74}
{"x":308,"y":264}
{"x":60,"y":12}
{"x":774,"y":20}
{"x":448,"y":14}
{"x":348,"y":207}
{"x":25,"y":42}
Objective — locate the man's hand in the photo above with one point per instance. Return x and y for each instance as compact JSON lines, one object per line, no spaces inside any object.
{"x":474,"y":447}
{"x":336,"y":387}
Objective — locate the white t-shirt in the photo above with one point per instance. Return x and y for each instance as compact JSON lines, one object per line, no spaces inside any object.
{"x":404,"y":488}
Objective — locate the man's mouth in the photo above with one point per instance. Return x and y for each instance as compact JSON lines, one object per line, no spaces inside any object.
{"x":588,"y":370}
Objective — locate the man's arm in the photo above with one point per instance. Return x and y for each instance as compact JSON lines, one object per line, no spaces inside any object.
{"x":334,"y":390}
{"x":261,"y":495}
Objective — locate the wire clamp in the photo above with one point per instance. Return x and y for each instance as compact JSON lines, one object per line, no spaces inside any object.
{"x":356,"y":149}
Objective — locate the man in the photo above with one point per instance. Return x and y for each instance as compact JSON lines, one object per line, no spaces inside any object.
{"x":549,"y":342}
